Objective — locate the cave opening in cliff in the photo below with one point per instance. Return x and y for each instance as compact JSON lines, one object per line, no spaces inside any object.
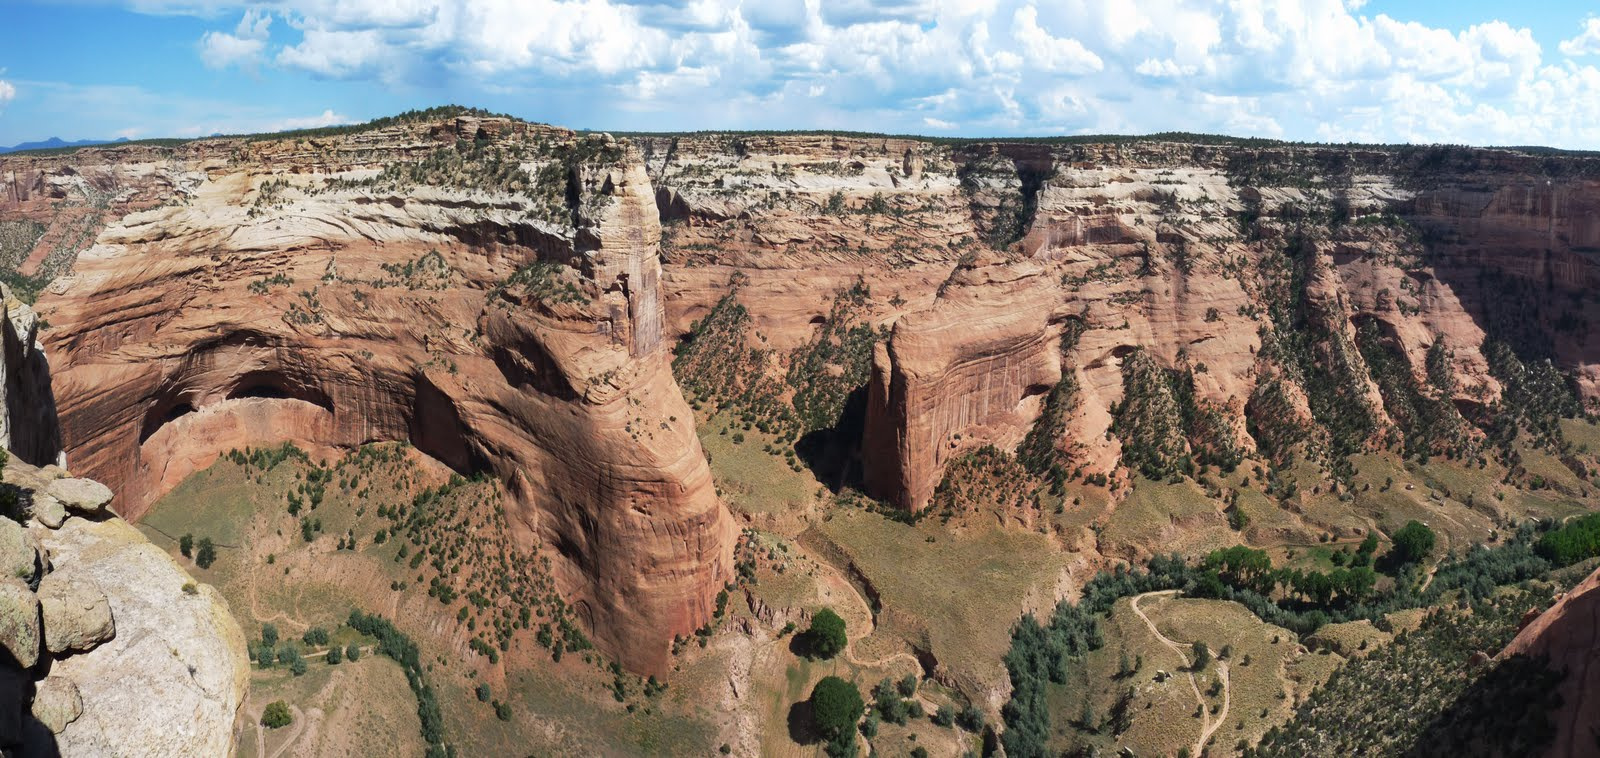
{"x":1035,"y":390}
{"x":159,"y":417}
{"x":276,"y":385}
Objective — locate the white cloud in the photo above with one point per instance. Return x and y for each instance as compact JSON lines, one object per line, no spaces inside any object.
{"x":336,"y":53}
{"x":1302,"y":68}
{"x":255,"y":24}
{"x":220,"y":50}
{"x":241,"y":48}
{"x":325,"y":118}
{"x":7,"y":91}
{"x":1049,"y":53}
{"x":1587,"y":42}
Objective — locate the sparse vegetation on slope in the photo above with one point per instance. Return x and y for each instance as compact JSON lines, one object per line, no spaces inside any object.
{"x":1421,"y":696}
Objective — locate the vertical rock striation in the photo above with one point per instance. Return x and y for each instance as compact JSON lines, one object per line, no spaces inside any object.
{"x":28,"y":425}
{"x":485,"y":289}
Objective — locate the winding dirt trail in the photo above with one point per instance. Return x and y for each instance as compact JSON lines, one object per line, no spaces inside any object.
{"x":838,"y":580}
{"x":1208,"y":725}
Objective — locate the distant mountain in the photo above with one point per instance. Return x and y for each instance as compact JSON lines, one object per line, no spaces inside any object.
{"x":58,"y":142}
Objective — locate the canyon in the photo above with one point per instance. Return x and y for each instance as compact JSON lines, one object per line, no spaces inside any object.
{"x":455,"y":319}
{"x":564,"y":313}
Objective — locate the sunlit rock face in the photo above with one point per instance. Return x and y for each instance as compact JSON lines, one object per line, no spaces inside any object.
{"x":500,"y":309}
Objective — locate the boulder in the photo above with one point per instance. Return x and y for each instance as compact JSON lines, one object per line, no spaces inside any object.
{"x":48,"y":511}
{"x":19,"y":556}
{"x":77,"y":616}
{"x":19,"y":622}
{"x":84,"y":496}
{"x":171,"y":682}
{"x":56,"y":703}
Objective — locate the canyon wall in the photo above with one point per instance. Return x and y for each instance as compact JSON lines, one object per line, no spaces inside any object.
{"x":506,"y":295}
{"x":485,"y":289}
{"x":28,"y":425}
{"x":1566,"y":636}
{"x":979,"y":253}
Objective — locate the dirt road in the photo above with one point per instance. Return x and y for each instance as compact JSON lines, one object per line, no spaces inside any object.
{"x":1208,"y":725}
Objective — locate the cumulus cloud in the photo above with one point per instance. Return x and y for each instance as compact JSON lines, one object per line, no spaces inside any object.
{"x":1587,"y":42}
{"x":325,"y":118}
{"x":7,"y":91}
{"x":241,"y":48}
{"x":1307,"y":69}
{"x":1049,"y":53}
{"x":335,"y":53}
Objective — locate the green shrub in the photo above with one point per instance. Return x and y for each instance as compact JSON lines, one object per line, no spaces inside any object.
{"x":276,"y":715}
{"x":1576,"y":540}
{"x":1412,"y":543}
{"x":836,"y":706}
{"x":826,"y":637}
{"x":206,"y":554}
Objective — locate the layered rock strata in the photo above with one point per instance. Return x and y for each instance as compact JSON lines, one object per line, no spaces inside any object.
{"x":488,"y":290}
{"x":1180,"y":250}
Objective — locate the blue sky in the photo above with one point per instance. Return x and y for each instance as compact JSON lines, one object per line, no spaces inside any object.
{"x":1466,"y":71}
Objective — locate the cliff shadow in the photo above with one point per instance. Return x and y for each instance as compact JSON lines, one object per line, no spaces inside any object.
{"x":1524,"y":273}
{"x":1508,"y":710}
{"x":17,"y":722}
{"x":834,"y":454}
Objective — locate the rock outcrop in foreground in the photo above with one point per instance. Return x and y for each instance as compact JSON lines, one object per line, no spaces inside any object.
{"x":107,"y":646}
{"x":1567,"y":636}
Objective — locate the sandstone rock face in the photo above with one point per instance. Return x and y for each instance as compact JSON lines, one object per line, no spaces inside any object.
{"x":254,"y":293}
{"x":77,"y":616}
{"x":172,"y":679}
{"x":969,"y":364}
{"x":1568,"y":635}
{"x":19,"y":623}
{"x":1168,"y":248}
{"x":28,"y":427}
{"x":1147,"y":252}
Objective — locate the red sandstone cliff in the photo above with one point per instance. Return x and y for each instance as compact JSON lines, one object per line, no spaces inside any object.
{"x":292,"y":291}
{"x":246,"y":291}
{"x":1568,"y":636}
